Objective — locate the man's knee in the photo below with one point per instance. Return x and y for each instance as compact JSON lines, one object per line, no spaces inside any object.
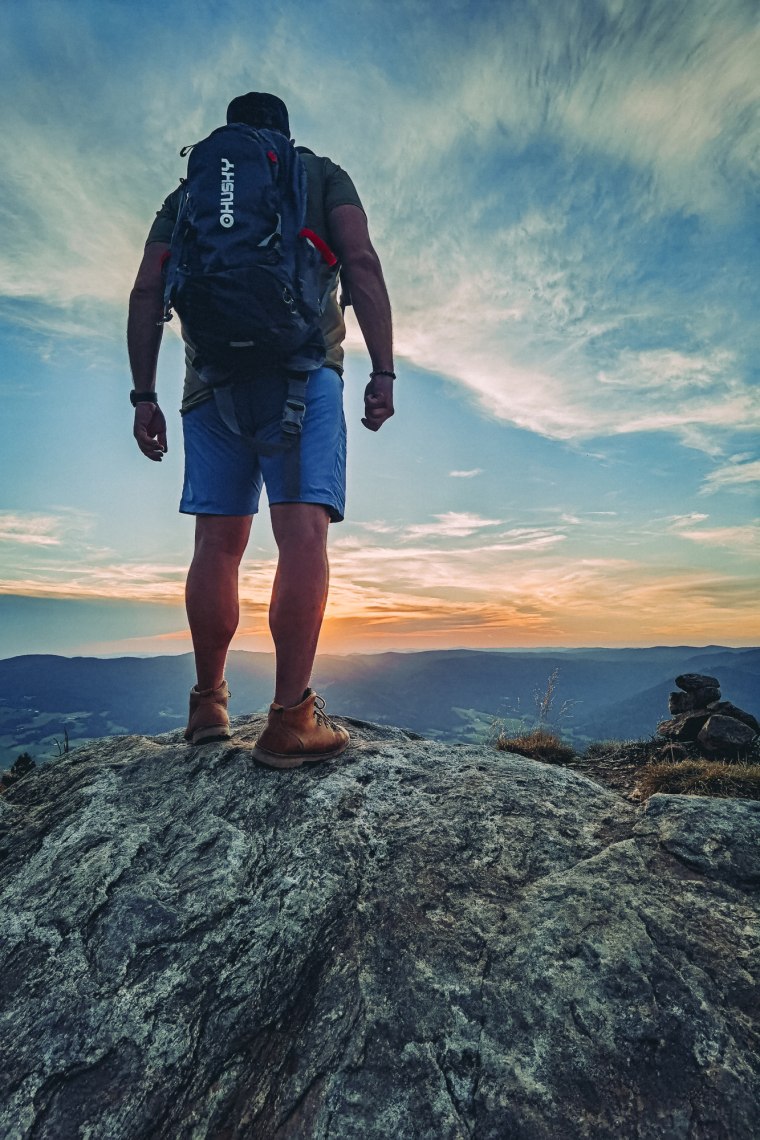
{"x":223,"y":535}
{"x":302,"y":525}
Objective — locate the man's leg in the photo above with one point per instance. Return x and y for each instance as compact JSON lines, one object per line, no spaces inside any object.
{"x":297,"y":731}
{"x":299,"y":594}
{"x":211,"y":595}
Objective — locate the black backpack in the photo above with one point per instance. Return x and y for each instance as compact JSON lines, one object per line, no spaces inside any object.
{"x":242,"y":273}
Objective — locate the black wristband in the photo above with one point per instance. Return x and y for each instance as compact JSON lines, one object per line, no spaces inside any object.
{"x":136,"y":398}
{"x":382,"y":372}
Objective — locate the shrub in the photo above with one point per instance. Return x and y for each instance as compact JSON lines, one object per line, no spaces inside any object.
{"x":538,"y":744}
{"x":22,"y":767}
{"x":701,"y":778}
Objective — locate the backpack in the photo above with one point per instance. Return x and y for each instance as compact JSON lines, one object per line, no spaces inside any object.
{"x":242,"y":272}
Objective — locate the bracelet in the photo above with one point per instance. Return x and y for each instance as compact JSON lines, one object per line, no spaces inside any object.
{"x":136,"y":398}
{"x":382,"y":372}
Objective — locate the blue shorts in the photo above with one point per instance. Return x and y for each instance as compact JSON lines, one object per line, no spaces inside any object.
{"x":224,"y":474}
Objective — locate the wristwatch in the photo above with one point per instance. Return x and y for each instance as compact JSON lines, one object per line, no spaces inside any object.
{"x":136,"y":398}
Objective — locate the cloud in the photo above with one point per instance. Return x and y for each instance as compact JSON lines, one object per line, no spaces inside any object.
{"x":744,"y":539}
{"x":466,"y":474}
{"x":527,"y":538}
{"x":452,"y":524}
{"x":511,"y":587}
{"x":35,"y":529}
{"x":138,"y":582}
{"x":560,"y":195}
{"x":677,"y":522}
{"x":739,"y":473}
{"x":30,"y":530}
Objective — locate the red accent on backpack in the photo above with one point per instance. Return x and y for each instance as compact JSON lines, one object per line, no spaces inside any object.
{"x":320,"y":245}
{"x":272,"y":156}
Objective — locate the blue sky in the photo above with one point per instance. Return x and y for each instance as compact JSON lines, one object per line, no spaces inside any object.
{"x":564,"y":197}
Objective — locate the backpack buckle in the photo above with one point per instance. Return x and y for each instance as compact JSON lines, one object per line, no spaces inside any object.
{"x":292,"y":417}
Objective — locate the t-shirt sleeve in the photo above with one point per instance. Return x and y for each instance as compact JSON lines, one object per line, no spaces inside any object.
{"x":339,"y":189}
{"x":163,"y":223}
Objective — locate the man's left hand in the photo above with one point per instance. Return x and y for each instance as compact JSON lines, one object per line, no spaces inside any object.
{"x":150,"y":430}
{"x":378,"y":402}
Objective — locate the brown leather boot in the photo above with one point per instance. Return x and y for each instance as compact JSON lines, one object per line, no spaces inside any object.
{"x":298,"y":735}
{"x":208,"y":715}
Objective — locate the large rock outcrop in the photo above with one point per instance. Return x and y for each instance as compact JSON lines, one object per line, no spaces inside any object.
{"x":720,"y":729}
{"x":418,"y":941}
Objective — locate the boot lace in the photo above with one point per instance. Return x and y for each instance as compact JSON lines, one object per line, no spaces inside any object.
{"x":319,"y":713}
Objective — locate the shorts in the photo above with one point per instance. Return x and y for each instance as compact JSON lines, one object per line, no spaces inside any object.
{"x":224,"y":474}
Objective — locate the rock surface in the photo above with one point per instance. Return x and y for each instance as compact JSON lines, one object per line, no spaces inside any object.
{"x":726,"y":708}
{"x":725,"y":736}
{"x":684,"y":728}
{"x":693,"y":682}
{"x":418,"y":941}
{"x":698,"y":699}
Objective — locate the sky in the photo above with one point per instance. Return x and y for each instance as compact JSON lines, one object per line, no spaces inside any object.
{"x":563,"y":194}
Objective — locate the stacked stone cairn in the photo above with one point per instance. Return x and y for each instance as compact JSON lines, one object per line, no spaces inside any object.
{"x":721,"y":730}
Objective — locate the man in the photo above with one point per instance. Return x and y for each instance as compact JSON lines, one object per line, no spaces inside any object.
{"x":224,"y":473}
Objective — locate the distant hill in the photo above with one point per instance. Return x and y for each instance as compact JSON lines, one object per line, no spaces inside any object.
{"x":443,"y":694}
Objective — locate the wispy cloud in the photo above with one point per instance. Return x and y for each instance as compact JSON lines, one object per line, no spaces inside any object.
{"x":30,"y":530}
{"x":742,"y":538}
{"x":38,"y":529}
{"x":563,"y":197}
{"x":741,"y":473}
{"x":138,"y":582}
{"x":452,"y":524}
{"x":678,"y":522}
{"x":459,"y":590}
{"x":535,"y":232}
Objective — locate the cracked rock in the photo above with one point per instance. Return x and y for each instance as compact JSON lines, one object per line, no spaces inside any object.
{"x":420,"y":941}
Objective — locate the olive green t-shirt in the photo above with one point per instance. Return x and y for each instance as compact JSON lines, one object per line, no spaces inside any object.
{"x":328,"y":186}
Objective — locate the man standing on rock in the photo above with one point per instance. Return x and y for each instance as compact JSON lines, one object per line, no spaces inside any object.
{"x":224,"y":472}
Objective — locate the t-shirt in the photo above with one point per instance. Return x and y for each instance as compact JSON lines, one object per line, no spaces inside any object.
{"x":328,"y":186}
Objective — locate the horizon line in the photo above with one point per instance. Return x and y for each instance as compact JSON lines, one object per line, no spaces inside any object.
{"x":524,"y":649}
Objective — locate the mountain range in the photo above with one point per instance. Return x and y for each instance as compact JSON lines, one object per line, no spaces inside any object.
{"x":457,"y":695}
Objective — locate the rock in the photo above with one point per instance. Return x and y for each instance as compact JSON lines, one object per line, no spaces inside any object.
{"x":708,"y":835}
{"x":684,"y":728}
{"x":419,"y":941}
{"x":721,"y":729}
{"x":689,"y":702}
{"x":726,"y":708}
{"x":690,"y":682}
{"x":725,"y":737}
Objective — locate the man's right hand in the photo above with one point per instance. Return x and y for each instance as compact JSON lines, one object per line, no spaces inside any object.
{"x":378,"y":402}
{"x":150,"y":431}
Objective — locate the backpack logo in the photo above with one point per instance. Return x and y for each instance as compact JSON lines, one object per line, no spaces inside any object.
{"x":226,"y":216}
{"x":256,"y":296}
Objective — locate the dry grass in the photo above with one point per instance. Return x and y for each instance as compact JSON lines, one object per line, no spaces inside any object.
{"x":538,"y":744}
{"x":640,"y":768}
{"x":637,"y":752}
{"x":700,"y":778}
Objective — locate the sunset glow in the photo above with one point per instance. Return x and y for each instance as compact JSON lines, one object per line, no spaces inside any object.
{"x":565,"y":208}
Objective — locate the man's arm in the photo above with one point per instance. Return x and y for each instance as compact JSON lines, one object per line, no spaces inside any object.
{"x":144,"y":332}
{"x":369,"y":296}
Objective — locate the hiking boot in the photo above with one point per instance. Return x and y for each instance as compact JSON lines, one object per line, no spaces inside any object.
{"x":208,"y":715}
{"x":298,"y":735}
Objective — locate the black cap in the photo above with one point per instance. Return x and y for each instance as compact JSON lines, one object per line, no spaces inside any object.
{"x":259,"y":109}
